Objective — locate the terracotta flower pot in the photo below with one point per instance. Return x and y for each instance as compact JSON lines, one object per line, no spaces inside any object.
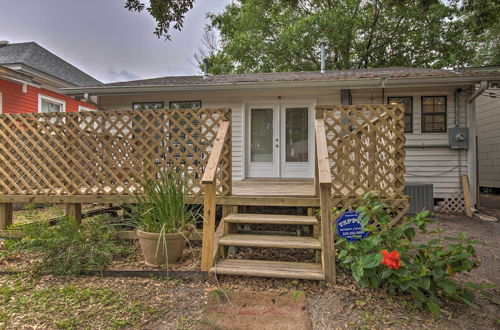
{"x":155,"y":253}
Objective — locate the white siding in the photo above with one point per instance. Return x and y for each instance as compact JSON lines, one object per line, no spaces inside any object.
{"x":433,"y":162}
{"x":488,"y":132}
{"x":439,"y":166}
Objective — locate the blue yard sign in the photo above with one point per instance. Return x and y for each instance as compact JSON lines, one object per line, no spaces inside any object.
{"x":350,"y":228}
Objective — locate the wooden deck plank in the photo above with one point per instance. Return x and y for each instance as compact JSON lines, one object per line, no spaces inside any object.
{"x":272,"y":241}
{"x":279,"y":269}
{"x":274,"y":187}
{"x":277,"y":219}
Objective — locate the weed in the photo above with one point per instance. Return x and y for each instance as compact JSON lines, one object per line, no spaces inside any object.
{"x":70,"y":248}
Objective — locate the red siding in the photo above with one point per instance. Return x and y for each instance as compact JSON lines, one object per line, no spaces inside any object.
{"x":15,"y":101}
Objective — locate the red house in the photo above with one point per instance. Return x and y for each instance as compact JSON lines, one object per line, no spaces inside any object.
{"x":31,"y":78}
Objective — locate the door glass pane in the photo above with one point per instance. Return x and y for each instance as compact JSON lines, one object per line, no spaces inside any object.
{"x":261,"y":135}
{"x":296,"y":135}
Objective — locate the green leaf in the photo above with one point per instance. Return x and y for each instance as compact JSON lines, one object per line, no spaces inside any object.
{"x":410,"y":233}
{"x":342,"y":254}
{"x":385,"y":273}
{"x":448,"y":286}
{"x":434,"y":308}
{"x":371,"y":261}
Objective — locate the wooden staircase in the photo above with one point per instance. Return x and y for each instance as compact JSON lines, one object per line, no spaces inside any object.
{"x":215,"y":242}
{"x":263,"y":239}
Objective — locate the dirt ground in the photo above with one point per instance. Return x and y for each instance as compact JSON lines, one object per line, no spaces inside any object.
{"x":368,"y":309}
{"x":160,"y":304}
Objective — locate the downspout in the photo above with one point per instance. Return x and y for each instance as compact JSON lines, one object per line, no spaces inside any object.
{"x":457,"y":124}
{"x":471,"y":152}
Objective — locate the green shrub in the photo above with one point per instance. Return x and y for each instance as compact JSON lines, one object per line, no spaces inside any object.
{"x":422,"y":270}
{"x":70,"y":248}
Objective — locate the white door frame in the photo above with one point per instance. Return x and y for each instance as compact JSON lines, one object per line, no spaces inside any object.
{"x":297,"y":170}
{"x":263,"y":169}
{"x":282,"y":169}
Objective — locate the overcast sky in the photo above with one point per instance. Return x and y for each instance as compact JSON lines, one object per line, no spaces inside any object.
{"x":104,"y":39}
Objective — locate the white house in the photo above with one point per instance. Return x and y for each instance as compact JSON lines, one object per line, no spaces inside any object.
{"x":272,"y":115}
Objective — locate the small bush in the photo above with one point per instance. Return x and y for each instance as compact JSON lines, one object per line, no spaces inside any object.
{"x":388,"y":258}
{"x":70,"y":248}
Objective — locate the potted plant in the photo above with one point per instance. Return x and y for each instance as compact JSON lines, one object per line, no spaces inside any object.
{"x":163,"y":218}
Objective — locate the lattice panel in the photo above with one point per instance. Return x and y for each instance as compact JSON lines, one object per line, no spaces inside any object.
{"x":365,"y":147}
{"x":453,"y":204}
{"x":107,"y":152}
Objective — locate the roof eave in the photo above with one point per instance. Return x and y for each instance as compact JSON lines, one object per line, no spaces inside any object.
{"x":357,"y":83}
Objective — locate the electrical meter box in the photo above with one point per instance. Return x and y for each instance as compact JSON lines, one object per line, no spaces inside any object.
{"x":459,"y":137}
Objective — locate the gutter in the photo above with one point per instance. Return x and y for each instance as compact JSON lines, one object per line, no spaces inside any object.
{"x":482,"y":87}
{"x":357,"y":83}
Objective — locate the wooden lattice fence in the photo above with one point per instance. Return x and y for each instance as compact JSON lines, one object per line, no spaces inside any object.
{"x":365,"y":146}
{"x":107,"y":152}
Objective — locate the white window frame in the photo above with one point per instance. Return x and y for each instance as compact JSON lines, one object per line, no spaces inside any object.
{"x":1,"y":104}
{"x":82,"y":108}
{"x":50,"y":99}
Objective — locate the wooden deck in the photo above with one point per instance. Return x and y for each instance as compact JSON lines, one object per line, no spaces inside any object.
{"x":274,"y":187}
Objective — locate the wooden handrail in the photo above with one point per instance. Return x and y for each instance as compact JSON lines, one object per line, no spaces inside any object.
{"x":324,"y":175}
{"x":324,"y":179}
{"x":209,"y":203}
{"x":214,"y":158}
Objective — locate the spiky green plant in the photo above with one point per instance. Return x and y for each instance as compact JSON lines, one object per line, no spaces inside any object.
{"x":162,"y":204}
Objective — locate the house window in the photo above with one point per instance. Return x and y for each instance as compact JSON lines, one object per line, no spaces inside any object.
{"x":407,"y":102}
{"x":47,"y":104}
{"x":148,"y":105}
{"x":433,"y":114}
{"x":185,"y":105}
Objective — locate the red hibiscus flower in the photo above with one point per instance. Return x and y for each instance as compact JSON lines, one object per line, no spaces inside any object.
{"x":391,"y":259}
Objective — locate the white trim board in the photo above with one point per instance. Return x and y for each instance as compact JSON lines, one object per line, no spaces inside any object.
{"x":83,"y":108}
{"x":50,"y":99}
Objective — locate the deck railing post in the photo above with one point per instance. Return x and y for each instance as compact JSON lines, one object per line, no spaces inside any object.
{"x":324,"y":180}
{"x":209,"y":181}
{"x":208,"y":227}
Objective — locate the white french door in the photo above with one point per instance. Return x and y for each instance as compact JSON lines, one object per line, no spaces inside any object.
{"x":280,"y":140}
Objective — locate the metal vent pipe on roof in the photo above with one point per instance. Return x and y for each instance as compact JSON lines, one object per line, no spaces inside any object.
{"x":205,"y":68}
{"x":323,"y":56}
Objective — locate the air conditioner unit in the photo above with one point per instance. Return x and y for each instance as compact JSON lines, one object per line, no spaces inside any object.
{"x":421,"y":197}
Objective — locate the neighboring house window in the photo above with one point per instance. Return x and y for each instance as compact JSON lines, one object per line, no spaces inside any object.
{"x":48,"y":104}
{"x":407,"y":102}
{"x":185,"y":105}
{"x":147,"y":105}
{"x":433,"y":114}
{"x":82,"y":108}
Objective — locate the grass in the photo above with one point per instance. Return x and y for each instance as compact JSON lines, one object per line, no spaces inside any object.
{"x":69,"y":305}
{"x":32,"y":214}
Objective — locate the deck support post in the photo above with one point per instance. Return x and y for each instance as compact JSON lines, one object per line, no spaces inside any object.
{"x":5,"y":215}
{"x":328,"y":245}
{"x":207,"y":249}
{"x":74,"y":211}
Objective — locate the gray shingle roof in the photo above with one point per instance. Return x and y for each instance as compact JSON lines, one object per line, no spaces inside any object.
{"x":35,"y":56}
{"x":394,"y":72}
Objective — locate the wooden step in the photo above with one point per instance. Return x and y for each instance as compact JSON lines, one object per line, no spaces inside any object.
{"x":271,"y":241}
{"x":280,"y":269}
{"x":276,"y":219}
